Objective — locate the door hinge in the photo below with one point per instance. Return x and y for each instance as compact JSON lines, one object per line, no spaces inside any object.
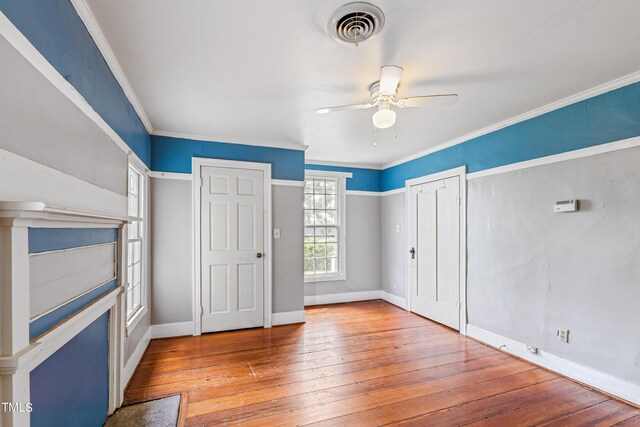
{"x":458,"y":200}
{"x":201,"y":311}
{"x":459,"y":305}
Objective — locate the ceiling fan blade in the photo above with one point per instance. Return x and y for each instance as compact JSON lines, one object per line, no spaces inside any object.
{"x":344,"y":108}
{"x":445,"y":100}
{"x":389,"y":79}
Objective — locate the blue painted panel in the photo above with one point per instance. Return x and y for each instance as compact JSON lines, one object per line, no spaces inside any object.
{"x":43,"y":324}
{"x":363,"y":179}
{"x":57,"y":31}
{"x":71,"y":387}
{"x":605,"y":118}
{"x":175,"y":154}
{"x":54,"y":239}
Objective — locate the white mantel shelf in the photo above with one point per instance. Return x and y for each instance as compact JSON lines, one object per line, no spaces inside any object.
{"x":34,"y":213}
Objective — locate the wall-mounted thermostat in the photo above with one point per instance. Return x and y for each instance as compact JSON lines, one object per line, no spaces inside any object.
{"x":566,"y":206}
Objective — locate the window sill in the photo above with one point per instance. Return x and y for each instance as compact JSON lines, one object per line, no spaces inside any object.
{"x":318,"y":279}
{"x":135,"y":319}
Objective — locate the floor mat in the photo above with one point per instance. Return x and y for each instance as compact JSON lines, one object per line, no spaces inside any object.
{"x":156,"y":413}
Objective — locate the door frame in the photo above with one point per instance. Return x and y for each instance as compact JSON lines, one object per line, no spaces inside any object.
{"x":460,"y":172}
{"x":196,"y":167}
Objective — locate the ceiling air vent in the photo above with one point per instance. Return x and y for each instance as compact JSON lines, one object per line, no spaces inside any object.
{"x":356,"y":22}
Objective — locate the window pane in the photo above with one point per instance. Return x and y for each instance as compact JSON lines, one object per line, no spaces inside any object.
{"x":318,"y":202}
{"x":332,"y":250}
{"x":133,"y":206}
{"x":332,"y":265}
{"x":133,"y":182}
{"x":320,"y":250}
{"x":320,"y":234}
{"x":308,"y":266}
{"x":308,"y":217}
{"x":331,"y":202}
{"x":331,"y":217}
{"x":308,"y":186}
{"x":332,"y":234}
{"x":129,"y":302}
{"x":321,"y":266}
{"x":319,"y":217}
{"x":331,"y":187}
{"x":308,"y":234}
{"x":308,"y":201}
{"x":136,"y":252}
{"x":136,"y":297}
{"x":308,"y":250}
{"x":318,"y":186}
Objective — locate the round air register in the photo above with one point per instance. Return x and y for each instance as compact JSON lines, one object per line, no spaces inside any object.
{"x":356,"y":22}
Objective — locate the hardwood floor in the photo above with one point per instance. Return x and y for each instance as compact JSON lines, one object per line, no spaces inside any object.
{"x":362,"y":364}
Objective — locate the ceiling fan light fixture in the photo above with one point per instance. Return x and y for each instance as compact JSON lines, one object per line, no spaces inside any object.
{"x":384,"y":118}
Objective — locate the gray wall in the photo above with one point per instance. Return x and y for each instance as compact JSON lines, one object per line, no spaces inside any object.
{"x":394,"y":244}
{"x":363,"y":249}
{"x":171,"y":252}
{"x":531,"y":271}
{"x":288,"y":250}
{"x":171,"y":293}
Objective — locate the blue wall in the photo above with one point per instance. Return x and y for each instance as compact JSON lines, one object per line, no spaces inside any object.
{"x":605,"y":118}
{"x":71,"y":387}
{"x":57,"y":31}
{"x":362,"y":180}
{"x":175,"y":154}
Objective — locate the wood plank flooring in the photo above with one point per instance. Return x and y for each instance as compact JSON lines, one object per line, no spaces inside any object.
{"x":362,"y":364}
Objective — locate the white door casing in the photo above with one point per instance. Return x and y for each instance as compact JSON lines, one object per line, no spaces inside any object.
{"x":233,"y":227}
{"x":437,"y":271}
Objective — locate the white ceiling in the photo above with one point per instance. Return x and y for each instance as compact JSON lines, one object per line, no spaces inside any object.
{"x":254,"y":71}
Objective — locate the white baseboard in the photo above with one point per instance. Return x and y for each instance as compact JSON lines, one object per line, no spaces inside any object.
{"x":135,"y":358}
{"x":287,"y":318}
{"x":605,"y":382}
{"x":167,"y":330}
{"x":394,"y":299}
{"x":342,"y":297}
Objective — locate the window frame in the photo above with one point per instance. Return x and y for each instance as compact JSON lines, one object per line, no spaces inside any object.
{"x":143,"y":203}
{"x":341,"y":275}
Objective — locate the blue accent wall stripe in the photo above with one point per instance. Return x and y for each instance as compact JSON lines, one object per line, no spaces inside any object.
{"x":48,"y":321}
{"x":54,"y":239}
{"x":604,"y":118}
{"x":57,"y":31}
{"x":362,"y":180}
{"x":175,"y":155}
{"x":71,"y":387}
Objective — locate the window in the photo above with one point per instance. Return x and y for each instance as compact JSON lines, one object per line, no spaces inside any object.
{"x":324,"y":231}
{"x":135,"y":296}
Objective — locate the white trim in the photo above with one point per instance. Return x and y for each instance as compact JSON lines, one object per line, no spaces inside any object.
{"x":171,"y":175}
{"x":35,"y":58}
{"x":196,"y":164}
{"x":287,"y":318}
{"x":581,"y":96}
{"x":392,"y":192}
{"x":363,"y":193}
{"x":342,"y":164}
{"x":223,"y":140}
{"x":600,"y":380}
{"x":136,"y":357}
{"x":287,"y":182}
{"x":333,"y":174}
{"x":168,"y":330}
{"x":394,"y":299}
{"x":568,"y":155}
{"x":90,"y":22}
{"x":342,"y":297}
{"x":461,"y":173}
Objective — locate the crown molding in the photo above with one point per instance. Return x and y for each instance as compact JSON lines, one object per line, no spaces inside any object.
{"x":581,"y":96}
{"x":206,"y":138}
{"x":342,"y":164}
{"x":90,"y":22}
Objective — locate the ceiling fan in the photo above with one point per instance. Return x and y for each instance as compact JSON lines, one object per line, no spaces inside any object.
{"x":383,"y":95}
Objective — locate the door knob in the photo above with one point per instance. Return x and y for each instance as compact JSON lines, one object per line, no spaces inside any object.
{"x":259,"y":254}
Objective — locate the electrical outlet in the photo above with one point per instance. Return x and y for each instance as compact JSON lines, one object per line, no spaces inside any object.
{"x":563,"y":335}
{"x":395,"y":283}
{"x":531,"y":349}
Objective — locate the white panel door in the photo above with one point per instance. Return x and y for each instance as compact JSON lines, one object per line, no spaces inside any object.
{"x":232,"y":244}
{"x":435,"y":241}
